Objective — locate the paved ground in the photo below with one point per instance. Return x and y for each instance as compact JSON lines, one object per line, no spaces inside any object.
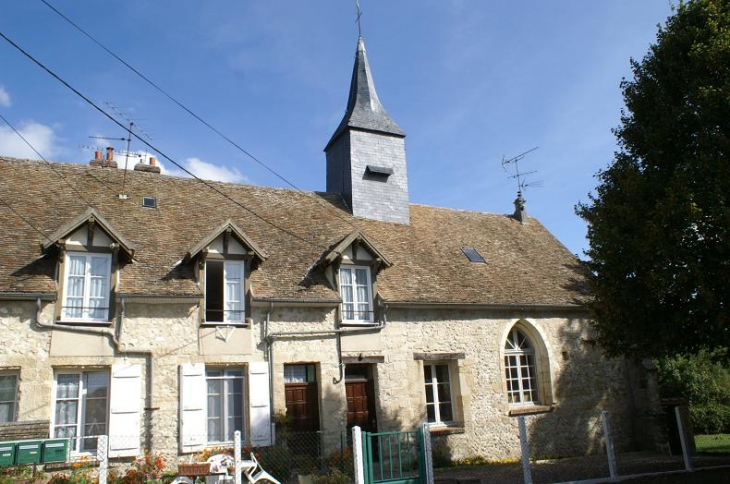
{"x":595,"y":468}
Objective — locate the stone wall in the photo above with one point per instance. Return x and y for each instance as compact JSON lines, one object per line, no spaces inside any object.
{"x":161,"y":337}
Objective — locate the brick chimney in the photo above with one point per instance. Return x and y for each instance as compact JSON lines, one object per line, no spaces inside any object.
{"x":151,"y":168}
{"x":104,"y":163}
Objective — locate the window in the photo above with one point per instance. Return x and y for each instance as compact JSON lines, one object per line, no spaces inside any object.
{"x":225,"y":403}
{"x":356,"y":293}
{"x":8,"y":397}
{"x":86,"y":294}
{"x":81,"y":408}
{"x":224,"y":289}
{"x":519,"y":368}
{"x":439,"y":403}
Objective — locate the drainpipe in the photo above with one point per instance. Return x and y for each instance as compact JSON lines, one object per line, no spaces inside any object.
{"x":270,"y":359}
{"x":114,"y":336}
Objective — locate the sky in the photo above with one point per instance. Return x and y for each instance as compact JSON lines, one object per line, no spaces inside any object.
{"x":471,"y":82}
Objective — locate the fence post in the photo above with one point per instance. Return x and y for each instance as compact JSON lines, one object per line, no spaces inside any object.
{"x":683,"y":440}
{"x":609,"y":445}
{"x":525,"y":447}
{"x":357,"y":455}
{"x":102,"y":454}
{"x":237,"y":455}
{"x":427,"y":454}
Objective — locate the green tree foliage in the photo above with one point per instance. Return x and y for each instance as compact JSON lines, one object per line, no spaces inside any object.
{"x":705,"y":383}
{"x":658,"y":223}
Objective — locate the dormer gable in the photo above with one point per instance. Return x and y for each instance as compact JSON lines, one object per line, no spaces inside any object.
{"x":352,"y":266}
{"x":91,"y":231}
{"x":227,"y":239}
{"x":357,"y":248}
{"x":225,"y":258}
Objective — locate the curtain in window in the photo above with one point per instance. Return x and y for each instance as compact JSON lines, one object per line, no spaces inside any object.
{"x":363,"y":294}
{"x":75,"y":286}
{"x":8,"y":393}
{"x":67,"y":405}
{"x":234,"y":280}
{"x":346,"y":290}
{"x":98,"y":287}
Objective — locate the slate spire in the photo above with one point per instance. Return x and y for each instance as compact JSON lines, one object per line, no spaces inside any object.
{"x":366,"y":156}
{"x":364,"y":110}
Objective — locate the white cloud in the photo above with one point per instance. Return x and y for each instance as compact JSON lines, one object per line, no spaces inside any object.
{"x":39,"y":135}
{"x":207,"y":171}
{"x":4,"y":97}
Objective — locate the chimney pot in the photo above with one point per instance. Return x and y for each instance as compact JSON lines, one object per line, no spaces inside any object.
{"x":97,"y":155}
{"x":153,"y":161}
{"x":109,"y":153}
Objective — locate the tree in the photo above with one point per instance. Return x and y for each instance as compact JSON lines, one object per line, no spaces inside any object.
{"x":658,"y":223}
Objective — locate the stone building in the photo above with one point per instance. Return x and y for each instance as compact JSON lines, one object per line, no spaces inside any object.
{"x":176,"y":312}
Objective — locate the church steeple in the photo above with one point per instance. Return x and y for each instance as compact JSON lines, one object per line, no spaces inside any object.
{"x":366,"y":159}
{"x":364,"y":110}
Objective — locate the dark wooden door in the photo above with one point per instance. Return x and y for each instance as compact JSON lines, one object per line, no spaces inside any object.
{"x":302,"y":407}
{"x":361,"y":405}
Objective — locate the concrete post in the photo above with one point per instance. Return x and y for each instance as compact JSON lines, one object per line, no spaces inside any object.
{"x":525,"y":447}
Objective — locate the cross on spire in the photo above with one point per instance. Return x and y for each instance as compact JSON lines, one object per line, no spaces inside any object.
{"x":359,"y":14}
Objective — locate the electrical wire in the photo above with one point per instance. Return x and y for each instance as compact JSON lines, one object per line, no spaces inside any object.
{"x":149,"y":145}
{"x":168,"y":96}
{"x":25,"y":140}
{"x":189,"y":111}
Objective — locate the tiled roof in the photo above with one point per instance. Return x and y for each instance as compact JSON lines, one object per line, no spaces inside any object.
{"x":525,"y":265}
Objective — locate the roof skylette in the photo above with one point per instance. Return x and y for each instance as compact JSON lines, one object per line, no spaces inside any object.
{"x":473,"y":255}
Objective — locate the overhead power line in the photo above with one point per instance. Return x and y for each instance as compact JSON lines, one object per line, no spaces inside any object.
{"x":193,"y":114}
{"x":170,"y":97}
{"x":152,"y":147}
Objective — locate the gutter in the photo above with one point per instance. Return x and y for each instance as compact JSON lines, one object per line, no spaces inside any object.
{"x":27,"y":296}
{"x":476,"y":306}
{"x":120,"y":348}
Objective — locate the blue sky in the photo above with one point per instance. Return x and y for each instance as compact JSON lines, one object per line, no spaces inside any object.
{"x":470,"y":82}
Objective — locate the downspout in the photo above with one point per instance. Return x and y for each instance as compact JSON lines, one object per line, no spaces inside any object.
{"x":114,"y":336}
{"x":270,"y":359}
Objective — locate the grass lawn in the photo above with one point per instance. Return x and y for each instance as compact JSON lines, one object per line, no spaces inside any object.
{"x":718,"y":443}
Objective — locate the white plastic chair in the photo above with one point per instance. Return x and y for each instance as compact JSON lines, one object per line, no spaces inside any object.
{"x":256,"y":473}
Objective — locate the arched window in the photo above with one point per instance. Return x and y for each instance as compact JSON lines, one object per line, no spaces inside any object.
{"x":519,"y":368}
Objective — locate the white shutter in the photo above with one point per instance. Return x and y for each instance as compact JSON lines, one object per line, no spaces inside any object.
{"x":193,"y":396}
{"x":258,"y":403}
{"x":125,"y":410}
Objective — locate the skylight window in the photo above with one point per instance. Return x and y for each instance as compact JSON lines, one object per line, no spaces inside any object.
{"x":473,"y":256}
{"x":149,"y":202}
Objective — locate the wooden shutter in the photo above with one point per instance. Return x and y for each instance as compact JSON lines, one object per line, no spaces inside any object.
{"x":125,"y":410}
{"x":192,"y":407}
{"x":258,"y":402}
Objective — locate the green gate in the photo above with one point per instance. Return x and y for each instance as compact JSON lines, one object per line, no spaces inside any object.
{"x":395,"y":457}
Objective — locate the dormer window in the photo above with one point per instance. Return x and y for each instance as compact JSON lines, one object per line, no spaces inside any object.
{"x":225,"y":259}
{"x":90,"y":253}
{"x":356,"y":293}
{"x":87,"y":287}
{"x":224,"y":291}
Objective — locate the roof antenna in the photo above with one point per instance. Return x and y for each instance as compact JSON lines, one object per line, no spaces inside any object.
{"x":522,"y":184}
{"x":359,"y":14}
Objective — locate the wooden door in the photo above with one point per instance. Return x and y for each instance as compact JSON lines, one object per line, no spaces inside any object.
{"x":361,"y":405}
{"x":302,"y":407}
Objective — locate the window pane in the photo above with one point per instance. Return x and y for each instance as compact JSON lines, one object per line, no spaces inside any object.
{"x":431,"y":413}
{"x":8,"y":385}
{"x":346,"y":277}
{"x":445,"y":412}
{"x":234,"y":291}
{"x":67,"y":386}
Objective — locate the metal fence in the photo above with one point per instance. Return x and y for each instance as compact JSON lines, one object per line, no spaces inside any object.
{"x":591,"y":453}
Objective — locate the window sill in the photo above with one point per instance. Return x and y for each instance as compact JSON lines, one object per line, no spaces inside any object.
{"x":367,"y":324}
{"x":529,"y":410}
{"x":102,"y":324}
{"x":438,"y":430}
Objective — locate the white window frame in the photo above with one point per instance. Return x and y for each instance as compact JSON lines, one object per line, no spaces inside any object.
{"x":356,"y":314}
{"x":79,"y":434}
{"x":520,"y":369}
{"x":14,"y":402}
{"x":86,"y":297}
{"x":230,"y":316}
{"x":227,"y":378}
{"x":432,"y":388}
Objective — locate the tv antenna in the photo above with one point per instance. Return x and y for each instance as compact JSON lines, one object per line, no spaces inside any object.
{"x":522,"y":183}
